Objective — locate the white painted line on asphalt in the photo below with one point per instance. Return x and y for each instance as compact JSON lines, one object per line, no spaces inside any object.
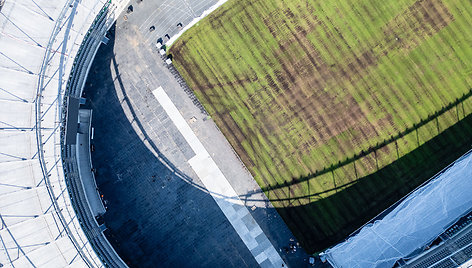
{"x":195,"y":21}
{"x":217,"y":184}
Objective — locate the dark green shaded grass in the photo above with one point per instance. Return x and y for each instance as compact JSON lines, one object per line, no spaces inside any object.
{"x":316,"y":96}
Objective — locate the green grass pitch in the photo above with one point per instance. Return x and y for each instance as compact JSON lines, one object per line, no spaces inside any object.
{"x":338,"y":108}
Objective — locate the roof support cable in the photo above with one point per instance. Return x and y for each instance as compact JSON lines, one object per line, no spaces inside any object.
{"x":6,"y":251}
{"x":50,"y":79}
{"x":13,"y":156}
{"x":42,"y":10}
{"x":10,"y":127}
{"x":14,"y":186}
{"x":43,"y":114}
{"x":12,"y":60}
{"x":16,"y":242}
{"x":8,"y":19}
{"x":13,"y":95}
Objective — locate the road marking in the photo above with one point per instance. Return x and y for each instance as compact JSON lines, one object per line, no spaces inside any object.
{"x":195,"y":21}
{"x":216,"y":183}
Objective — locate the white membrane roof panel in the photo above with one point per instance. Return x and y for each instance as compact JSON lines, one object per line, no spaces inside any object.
{"x":17,"y":145}
{"x":35,"y":29}
{"x":18,"y":176}
{"x":17,"y":85}
{"x":46,"y":8}
{"x":64,"y":254}
{"x":22,"y":206}
{"x":22,"y":56}
{"x":16,"y":115}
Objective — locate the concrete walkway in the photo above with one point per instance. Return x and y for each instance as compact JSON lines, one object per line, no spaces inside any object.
{"x":220,"y":189}
{"x":162,"y":209}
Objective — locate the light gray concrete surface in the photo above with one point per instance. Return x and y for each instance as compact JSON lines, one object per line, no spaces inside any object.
{"x":159,"y":211}
{"x":221,"y":190}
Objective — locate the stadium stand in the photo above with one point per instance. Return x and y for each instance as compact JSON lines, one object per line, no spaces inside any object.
{"x":44,"y":59}
{"x":453,"y":248}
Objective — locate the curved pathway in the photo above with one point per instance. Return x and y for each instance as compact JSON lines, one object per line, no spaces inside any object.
{"x":159,"y":211}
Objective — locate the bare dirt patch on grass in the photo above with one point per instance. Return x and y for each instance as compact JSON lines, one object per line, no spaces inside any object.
{"x":317,"y":96}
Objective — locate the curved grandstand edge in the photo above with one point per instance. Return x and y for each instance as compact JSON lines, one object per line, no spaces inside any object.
{"x":82,"y":62}
{"x":39,"y":226}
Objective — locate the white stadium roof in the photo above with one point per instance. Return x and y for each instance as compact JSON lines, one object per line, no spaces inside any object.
{"x":414,"y":223}
{"x":39,"y":40}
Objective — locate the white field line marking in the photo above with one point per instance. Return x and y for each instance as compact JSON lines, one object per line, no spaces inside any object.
{"x":217,"y":184}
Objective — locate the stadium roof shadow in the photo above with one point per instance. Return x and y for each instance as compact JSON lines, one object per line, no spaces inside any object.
{"x":378,"y":146}
{"x":157,"y":216}
{"x":409,"y":171}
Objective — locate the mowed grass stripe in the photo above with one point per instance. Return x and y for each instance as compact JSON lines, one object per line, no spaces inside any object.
{"x":288,"y":145}
{"x":286,"y":150}
{"x":262,"y":146}
{"x":304,"y":90}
